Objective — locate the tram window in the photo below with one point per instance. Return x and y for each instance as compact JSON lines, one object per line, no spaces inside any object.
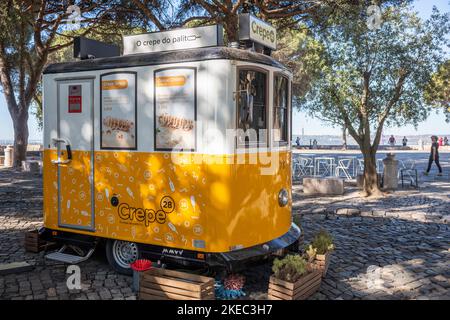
{"x":252,"y":107}
{"x":280,"y":108}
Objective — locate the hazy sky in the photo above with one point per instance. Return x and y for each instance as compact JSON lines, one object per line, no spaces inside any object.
{"x":434,"y":124}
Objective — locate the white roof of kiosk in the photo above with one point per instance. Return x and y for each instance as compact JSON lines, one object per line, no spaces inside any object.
{"x":167,"y":57}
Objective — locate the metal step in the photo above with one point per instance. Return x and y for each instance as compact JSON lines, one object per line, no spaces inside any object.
{"x":68,"y":258}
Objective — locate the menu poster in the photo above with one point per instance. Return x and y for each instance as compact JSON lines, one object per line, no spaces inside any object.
{"x":118,"y":110}
{"x":175,"y":109}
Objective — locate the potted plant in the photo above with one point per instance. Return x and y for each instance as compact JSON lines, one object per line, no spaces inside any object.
{"x":293,"y":279}
{"x":319,"y":251}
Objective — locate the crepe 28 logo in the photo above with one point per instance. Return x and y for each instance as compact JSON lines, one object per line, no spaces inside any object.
{"x":128,"y":213}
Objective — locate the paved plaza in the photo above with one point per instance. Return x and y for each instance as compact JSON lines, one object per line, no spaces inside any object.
{"x":396,"y":247}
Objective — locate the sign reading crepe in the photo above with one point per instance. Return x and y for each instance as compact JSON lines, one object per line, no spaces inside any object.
{"x":118,"y":110}
{"x":257,"y":30}
{"x":175,"y":109}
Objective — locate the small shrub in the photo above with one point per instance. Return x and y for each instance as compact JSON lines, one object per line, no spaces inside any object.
{"x":290,"y":268}
{"x":310,"y":253}
{"x":322,"y":242}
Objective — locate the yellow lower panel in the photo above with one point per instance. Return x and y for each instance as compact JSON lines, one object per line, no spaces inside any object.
{"x":196,"y":202}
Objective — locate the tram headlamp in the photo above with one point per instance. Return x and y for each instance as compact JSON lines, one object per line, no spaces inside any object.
{"x":283,"y":197}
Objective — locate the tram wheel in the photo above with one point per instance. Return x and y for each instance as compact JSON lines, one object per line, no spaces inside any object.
{"x":121,"y":254}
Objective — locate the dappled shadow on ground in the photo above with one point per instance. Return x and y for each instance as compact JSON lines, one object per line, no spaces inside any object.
{"x":384,"y":258}
{"x":392,"y":247}
{"x":375,"y":257}
{"x":21,"y":210}
{"x":429,"y":203}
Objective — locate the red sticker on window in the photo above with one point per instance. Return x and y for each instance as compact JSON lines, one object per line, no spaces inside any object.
{"x":75,"y":99}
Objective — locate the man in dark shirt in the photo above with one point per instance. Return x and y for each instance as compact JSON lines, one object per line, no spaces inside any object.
{"x":392,"y":141}
{"x":434,"y":155}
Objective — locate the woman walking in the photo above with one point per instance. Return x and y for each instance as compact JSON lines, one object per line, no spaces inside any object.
{"x":434,"y":156}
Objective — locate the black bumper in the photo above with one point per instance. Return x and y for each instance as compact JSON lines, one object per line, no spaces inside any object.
{"x":238,"y":259}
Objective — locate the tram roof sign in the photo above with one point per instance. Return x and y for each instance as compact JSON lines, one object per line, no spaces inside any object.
{"x":257,"y":30}
{"x":178,"y":39}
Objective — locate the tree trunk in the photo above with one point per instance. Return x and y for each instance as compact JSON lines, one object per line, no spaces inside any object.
{"x":20,"y":124}
{"x":344,"y":137}
{"x":231,"y":27}
{"x":371,"y":187}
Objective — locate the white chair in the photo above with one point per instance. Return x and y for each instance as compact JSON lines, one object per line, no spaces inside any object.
{"x":353,"y":164}
{"x":324,"y":166}
{"x":344,"y":167}
{"x":380,"y":166}
{"x":296,"y":172}
{"x":407,"y":164}
{"x":306,"y":166}
{"x":301,"y":167}
{"x":360,"y":167}
{"x":407,"y":168}
{"x":401,"y":166}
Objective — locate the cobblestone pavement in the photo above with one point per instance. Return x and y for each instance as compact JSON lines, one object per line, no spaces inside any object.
{"x":429,"y":203}
{"x":394,"y":248}
{"x":21,"y":210}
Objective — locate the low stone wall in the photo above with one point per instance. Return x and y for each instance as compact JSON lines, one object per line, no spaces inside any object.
{"x":324,"y":186}
{"x":34,"y":153}
{"x":31,"y":148}
{"x":426,"y":147}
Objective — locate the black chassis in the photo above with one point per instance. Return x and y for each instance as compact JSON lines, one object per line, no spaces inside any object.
{"x":232,"y":261}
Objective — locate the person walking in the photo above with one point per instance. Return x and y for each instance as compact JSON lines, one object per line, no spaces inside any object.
{"x":404,"y":141}
{"x":297,"y":142}
{"x":445,"y":141}
{"x":441,"y":142}
{"x":434,"y":156}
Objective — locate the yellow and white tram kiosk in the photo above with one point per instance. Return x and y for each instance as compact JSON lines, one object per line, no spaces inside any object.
{"x":177,"y":150}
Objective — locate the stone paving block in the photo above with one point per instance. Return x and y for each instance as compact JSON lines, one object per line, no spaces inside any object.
{"x":15,"y":267}
{"x":39,"y":296}
{"x":93,"y":296}
{"x":51,"y":292}
{"x":105,"y":295}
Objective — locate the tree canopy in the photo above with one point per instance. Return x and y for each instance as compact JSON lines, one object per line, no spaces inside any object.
{"x":27,"y":32}
{"x":286,"y":14}
{"x":437,"y":92}
{"x":375,"y":77}
{"x":303,"y":55}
